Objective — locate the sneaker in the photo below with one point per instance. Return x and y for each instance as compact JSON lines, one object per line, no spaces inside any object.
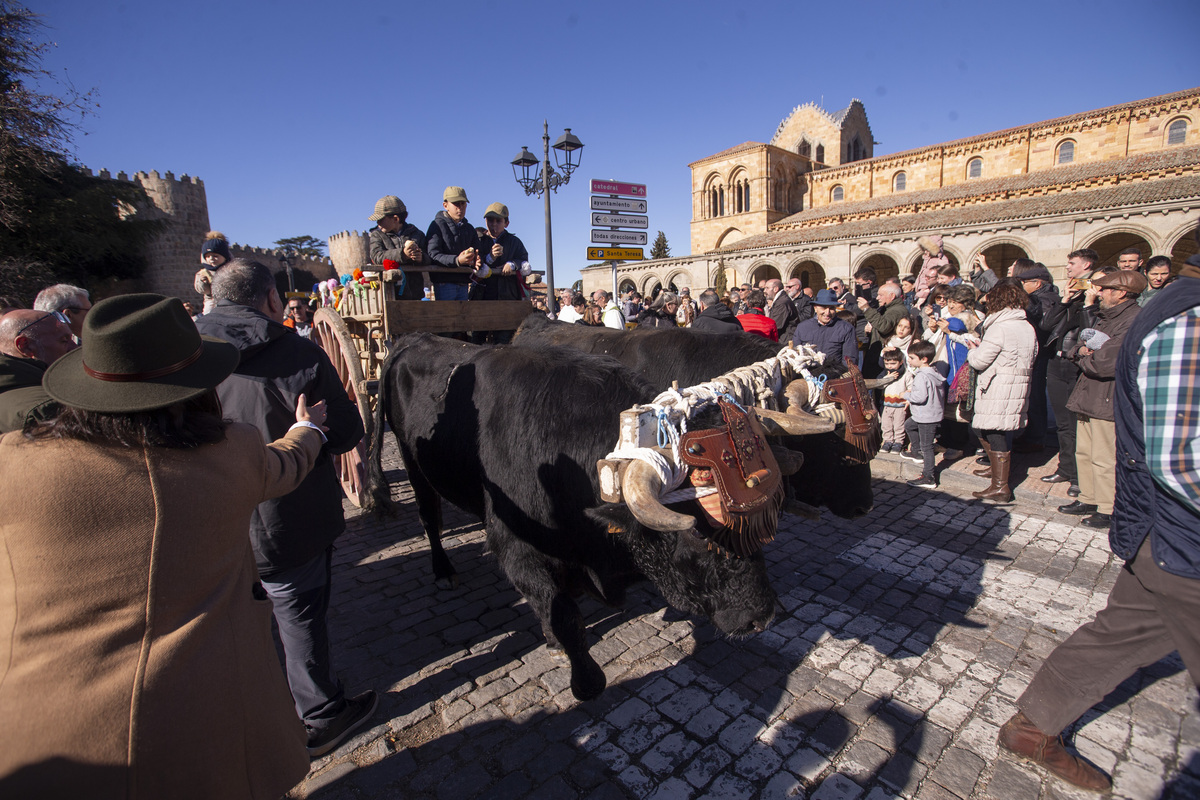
{"x":357,"y":711}
{"x":925,"y":482}
{"x":912,"y":456}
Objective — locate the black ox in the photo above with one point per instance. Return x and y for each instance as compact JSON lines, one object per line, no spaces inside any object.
{"x":835,"y":473}
{"x":513,"y":435}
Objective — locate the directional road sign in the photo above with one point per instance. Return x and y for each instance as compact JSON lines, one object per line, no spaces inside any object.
{"x":616,"y":254}
{"x":619,"y":237}
{"x":619,"y":221}
{"x":619,"y":187}
{"x":618,"y":204}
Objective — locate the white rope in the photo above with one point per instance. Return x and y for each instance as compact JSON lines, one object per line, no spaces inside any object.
{"x":754,"y":384}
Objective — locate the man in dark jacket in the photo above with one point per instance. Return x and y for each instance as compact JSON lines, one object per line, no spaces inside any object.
{"x":832,"y":336}
{"x":30,"y":341}
{"x":453,"y":246}
{"x":293,"y":535}
{"x":882,"y":318}
{"x":1154,"y":606}
{"x":802,"y":301}
{"x":1064,"y":322}
{"x":1043,"y":300}
{"x":781,"y":309}
{"x":714,"y":315}
{"x":394,"y":238}
{"x":1092,"y":399}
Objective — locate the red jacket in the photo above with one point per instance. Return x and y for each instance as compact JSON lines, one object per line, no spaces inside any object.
{"x":757,"y":322}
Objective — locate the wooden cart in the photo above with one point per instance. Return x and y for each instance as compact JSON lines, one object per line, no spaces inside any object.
{"x":357,"y":333}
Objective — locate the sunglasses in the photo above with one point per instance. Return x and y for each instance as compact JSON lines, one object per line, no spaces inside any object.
{"x":58,"y":315}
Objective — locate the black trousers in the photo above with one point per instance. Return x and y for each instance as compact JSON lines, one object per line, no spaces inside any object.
{"x":1061,"y":376}
{"x":1035,"y":429}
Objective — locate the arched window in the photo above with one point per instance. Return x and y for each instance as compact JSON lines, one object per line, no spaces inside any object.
{"x":975,"y":168}
{"x":1066,"y":152}
{"x":745,"y":195}
{"x":1177,"y":132}
{"x":805,"y":149}
{"x":720,"y":201}
{"x":899,"y":182}
{"x":837,"y":194}
{"x":737,"y":197}
{"x":821,"y":154}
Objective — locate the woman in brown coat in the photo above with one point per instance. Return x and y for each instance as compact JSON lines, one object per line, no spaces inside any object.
{"x":135,"y":650}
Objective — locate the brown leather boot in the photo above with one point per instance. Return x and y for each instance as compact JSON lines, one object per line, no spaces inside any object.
{"x":985,"y":471}
{"x":1022,"y":737}
{"x":998,"y":492}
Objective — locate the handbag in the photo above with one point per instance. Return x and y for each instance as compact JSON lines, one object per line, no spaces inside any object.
{"x":960,"y":387}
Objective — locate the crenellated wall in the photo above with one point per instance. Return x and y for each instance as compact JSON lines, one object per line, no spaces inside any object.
{"x":349,"y":249}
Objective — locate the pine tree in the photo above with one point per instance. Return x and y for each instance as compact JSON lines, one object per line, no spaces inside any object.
{"x":660,"y":248}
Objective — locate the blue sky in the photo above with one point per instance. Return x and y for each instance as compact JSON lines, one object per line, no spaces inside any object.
{"x":298,"y":115}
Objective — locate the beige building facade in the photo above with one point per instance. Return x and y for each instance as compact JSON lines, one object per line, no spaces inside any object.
{"x":816,"y":203}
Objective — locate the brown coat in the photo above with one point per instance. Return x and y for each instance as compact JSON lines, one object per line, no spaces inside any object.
{"x":135,"y":661}
{"x":1093,"y":393}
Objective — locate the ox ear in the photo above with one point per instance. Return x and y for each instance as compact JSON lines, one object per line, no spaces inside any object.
{"x":616,"y":518}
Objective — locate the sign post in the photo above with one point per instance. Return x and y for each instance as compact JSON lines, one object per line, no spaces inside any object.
{"x":626,"y":205}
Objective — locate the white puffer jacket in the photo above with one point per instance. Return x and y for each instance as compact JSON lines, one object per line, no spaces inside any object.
{"x":1004,"y":360}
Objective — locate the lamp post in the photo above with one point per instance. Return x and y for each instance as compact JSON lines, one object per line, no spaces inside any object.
{"x":540,"y":181}
{"x":285,"y":261}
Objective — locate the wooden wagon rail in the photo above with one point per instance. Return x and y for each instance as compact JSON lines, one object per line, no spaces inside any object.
{"x":356,"y":336}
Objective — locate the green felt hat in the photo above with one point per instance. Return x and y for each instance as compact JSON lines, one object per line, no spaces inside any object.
{"x":140,"y":352}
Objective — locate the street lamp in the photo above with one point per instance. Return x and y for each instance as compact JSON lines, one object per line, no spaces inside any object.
{"x":541,"y":181}
{"x":285,"y":261}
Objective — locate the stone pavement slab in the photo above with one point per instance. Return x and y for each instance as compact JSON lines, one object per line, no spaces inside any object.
{"x":902,"y":643}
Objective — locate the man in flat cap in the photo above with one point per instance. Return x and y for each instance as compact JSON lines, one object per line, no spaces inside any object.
{"x":394,"y":239}
{"x":1092,"y":398}
{"x":453,"y":246}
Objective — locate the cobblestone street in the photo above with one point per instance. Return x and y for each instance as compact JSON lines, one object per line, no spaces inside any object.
{"x":903,"y":641}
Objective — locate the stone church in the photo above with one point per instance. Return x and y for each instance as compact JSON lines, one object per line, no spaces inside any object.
{"x":815,"y":201}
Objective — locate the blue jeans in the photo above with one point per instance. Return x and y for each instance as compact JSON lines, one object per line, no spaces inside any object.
{"x":450,"y":291}
{"x":301,"y":599}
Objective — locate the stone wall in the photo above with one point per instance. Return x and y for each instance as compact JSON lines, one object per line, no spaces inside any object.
{"x":350,"y":249}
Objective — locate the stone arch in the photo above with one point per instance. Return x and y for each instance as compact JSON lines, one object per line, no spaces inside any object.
{"x":729,"y":236}
{"x":712,"y":205}
{"x":810,"y":272}
{"x":650,"y":284}
{"x":626,"y":285}
{"x":914,"y":265}
{"x":1114,"y":238}
{"x":680,"y":278}
{"x":1183,"y":246}
{"x":764,"y":270}
{"x":1173,"y":122}
{"x":739,"y":190}
{"x":882,"y":261}
{"x":1001,"y":252}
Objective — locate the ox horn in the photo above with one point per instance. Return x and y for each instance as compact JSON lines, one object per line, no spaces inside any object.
{"x":793,"y":423}
{"x":879,"y":383}
{"x":796,"y":393}
{"x":834,"y":414}
{"x":640,"y":489}
{"x":789,"y":461}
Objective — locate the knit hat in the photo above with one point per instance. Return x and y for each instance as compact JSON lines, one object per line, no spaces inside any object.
{"x":386,"y":206}
{"x":1129,"y":280}
{"x":215,"y":242}
{"x":140,"y":352}
{"x":1037,"y":272}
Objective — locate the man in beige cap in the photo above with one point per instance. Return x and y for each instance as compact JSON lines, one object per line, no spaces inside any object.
{"x":395,"y":239}
{"x":1092,"y":398}
{"x":453,"y":247}
{"x":505,"y":265}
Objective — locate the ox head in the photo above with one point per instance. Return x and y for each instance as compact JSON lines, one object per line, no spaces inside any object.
{"x":735,"y":593}
{"x":836,"y":471}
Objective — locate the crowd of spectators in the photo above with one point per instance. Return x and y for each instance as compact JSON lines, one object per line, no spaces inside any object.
{"x":969,"y":363}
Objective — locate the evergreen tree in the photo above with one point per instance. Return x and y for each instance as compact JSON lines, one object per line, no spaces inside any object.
{"x":720,"y":284}
{"x":660,"y":248}
{"x":309,"y":246}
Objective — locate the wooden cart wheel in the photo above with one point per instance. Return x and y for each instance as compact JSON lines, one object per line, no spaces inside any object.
{"x":329,"y":331}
